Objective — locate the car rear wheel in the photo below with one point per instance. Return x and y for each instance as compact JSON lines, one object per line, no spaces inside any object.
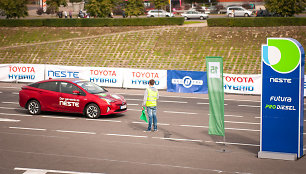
{"x":186,"y":18}
{"x":92,"y":111}
{"x":246,"y":15}
{"x":34,"y":107}
{"x":201,"y":17}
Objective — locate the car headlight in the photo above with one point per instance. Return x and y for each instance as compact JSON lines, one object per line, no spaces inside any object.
{"x":108,"y":101}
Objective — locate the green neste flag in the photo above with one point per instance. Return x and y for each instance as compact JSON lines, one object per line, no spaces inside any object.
{"x":216,"y":95}
{"x":143,"y":115}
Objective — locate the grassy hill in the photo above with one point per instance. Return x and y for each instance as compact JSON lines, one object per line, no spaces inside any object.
{"x":174,"y":47}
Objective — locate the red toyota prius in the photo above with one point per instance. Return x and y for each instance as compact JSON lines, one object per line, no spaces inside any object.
{"x":70,"y":95}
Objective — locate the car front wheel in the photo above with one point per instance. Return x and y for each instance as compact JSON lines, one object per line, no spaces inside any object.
{"x":34,"y":107}
{"x":202,"y":18}
{"x":186,"y":18}
{"x":246,"y":15}
{"x":92,"y":111}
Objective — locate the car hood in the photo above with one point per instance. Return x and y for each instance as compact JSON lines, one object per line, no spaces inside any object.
{"x":114,"y":97}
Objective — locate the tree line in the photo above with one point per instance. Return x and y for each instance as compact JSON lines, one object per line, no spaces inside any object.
{"x":102,"y":8}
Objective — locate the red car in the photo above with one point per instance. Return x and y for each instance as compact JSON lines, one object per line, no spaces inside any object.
{"x":70,"y":95}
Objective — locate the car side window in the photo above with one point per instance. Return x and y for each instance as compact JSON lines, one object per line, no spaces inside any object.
{"x":50,"y":86}
{"x":68,"y":88}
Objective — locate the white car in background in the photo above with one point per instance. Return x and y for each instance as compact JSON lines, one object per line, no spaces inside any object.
{"x":235,"y":11}
{"x":194,"y":15}
{"x":159,"y":13}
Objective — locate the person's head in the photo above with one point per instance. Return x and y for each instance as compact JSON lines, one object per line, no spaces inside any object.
{"x":151,"y":82}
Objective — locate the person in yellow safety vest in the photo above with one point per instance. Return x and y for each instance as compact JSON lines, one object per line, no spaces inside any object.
{"x":150,"y":101}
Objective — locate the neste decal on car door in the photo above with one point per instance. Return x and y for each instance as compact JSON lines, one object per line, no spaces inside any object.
{"x":68,"y":101}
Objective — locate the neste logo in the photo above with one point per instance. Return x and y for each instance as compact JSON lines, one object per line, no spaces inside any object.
{"x":187,"y":82}
{"x":282,"y":55}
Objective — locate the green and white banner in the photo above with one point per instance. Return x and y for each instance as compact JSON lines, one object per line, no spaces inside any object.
{"x":216,"y":95}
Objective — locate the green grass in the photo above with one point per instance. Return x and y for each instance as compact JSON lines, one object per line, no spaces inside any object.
{"x":180,"y":48}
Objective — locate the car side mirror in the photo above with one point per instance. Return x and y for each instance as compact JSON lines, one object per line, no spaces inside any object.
{"x":76,"y":92}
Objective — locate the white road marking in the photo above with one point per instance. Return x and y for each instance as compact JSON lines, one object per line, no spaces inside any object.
{"x":58,"y":117}
{"x":208,"y":104}
{"x":238,"y":116}
{"x":133,"y":99}
{"x":194,"y":126}
{"x":240,"y":122}
{"x":23,"y":115}
{"x":161,"y":124}
{"x":9,"y":87}
{"x":174,"y":112}
{"x":11,"y":103}
{"x":168,"y":101}
{"x":77,"y":132}
{"x":26,"y":128}
{"x":124,"y":135}
{"x":251,"y":106}
{"x":8,"y":120}
{"x":9,"y":108}
{"x":134,"y":109}
{"x":15,"y":93}
{"x":0,"y":92}
{"x":132,"y":104}
{"x":240,"y":144}
{"x":44,"y":171}
{"x":177,"y":139}
{"x":114,"y":121}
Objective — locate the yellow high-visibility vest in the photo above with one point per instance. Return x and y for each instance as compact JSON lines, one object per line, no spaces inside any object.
{"x":151,"y":98}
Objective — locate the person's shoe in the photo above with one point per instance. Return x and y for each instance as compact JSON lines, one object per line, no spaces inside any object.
{"x":155,"y":130}
{"x":147,"y":130}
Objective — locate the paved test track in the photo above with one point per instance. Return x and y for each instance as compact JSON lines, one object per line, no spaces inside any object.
{"x":59,"y":143}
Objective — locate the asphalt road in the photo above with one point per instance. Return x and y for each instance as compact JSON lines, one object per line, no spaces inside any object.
{"x":70,"y":143}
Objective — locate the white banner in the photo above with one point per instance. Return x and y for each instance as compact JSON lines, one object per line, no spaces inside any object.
{"x":139,"y":78}
{"x":110,"y":77}
{"x":242,"y":84}
{"x":21,"y":72}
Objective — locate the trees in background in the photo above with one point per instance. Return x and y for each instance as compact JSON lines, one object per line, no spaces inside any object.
{"x":285,"y":8}
{"x":14,"y":8}
{"x":134,"y":8}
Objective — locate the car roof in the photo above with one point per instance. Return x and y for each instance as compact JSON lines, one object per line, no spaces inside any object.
{"x":74,"y":80}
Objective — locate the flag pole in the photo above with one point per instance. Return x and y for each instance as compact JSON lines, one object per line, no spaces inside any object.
{"x":170,"y":7}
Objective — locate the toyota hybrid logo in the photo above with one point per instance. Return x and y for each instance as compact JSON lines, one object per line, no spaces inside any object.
{"x":282,"y":55}
{"x":187,"y":82}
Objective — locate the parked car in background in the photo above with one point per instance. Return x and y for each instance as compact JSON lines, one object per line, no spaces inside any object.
{"x":70,"y":95}
{"x":159,"y":13}
{"x":236,"y":11}
{"x":265,"y":13}
{"x":194,"y":15}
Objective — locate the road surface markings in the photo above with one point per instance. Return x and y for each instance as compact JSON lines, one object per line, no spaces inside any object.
{"x":132,"y":104}
{"x":9,"y":108}
{"x":174,"y":112}
{"x":15,"y":93}
{"x":27,"y":128}
{"x":177,"y":139}
{"x":0,"y":92}
{"x":168,"y":101}
{"x":161,"y":124}
{"x":250,"y":106}
{"x":134,"y":109}
{"x":44,"y":171}
{"x":238,"y":116}
{"x":194,"y":126}
{"x":8,"y":120}
{"x":114,"y":121}
{"x":208,"y":104}
{"x":10,"y":103}
{"x":199,"y":126}
{"x":9,"y":87}
{"x":133,"y":99}
{"x":58,"y":117}
{"x":240,"y":144}
{"x":124,"y":135}
{"x":76,"y":132}
{"x":237,"y":122}
{"x":23,"y":115}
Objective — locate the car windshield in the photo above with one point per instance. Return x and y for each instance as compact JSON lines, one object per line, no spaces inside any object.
{"x":91,"y":87}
